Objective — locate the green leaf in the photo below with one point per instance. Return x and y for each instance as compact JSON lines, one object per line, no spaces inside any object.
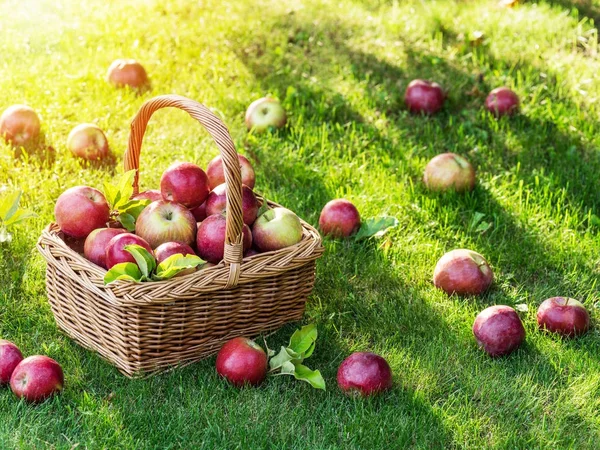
{"x":310,"y":350}
{"x":19,"y":216}
{"x":263,"y":209}
{"x":175,"y":264}
{"x":127,"y":220}
{"x":303,"y":339}
{"x":313,"y":377}
{"x":119,"y":194}
{"x":287,"y":368}
{"x":285,"y":355}
{"x":144,"y":259}
{"x":123,"y":271}
{"x":134,"y":207}
{"x":376,"y":227}
{"x":9,"y":205}
{"x":110,"y":193}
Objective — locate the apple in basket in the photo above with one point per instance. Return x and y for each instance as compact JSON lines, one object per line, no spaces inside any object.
{"x":275,"y":229}
{"x":184,"y":183}
{"x":88,"y":141}
{"x":164,"y":221}
{"x":19,"y":125}
{"x":502,"y":102}
{"x":424,"y":97}
{"x":463,"y":272}
{"x":10,"y":357}
{"x":151,"y":194}
{"x":163,"y":251}
{"x":339,"y":218}
{"x":80,"y":210}
{"x":265,"y":113}
{"x":242,"y":361}
{"x":94,"y":248}
{"x":216,"y":173}
{"x":449,"y":171}
{"x":364,"y":373}
{"x":498,"y":330}
{"x":128,"y":72}
{"x":217,"y":203}
{"x":199,"y":212}
{"x":210,"y":240}
{"x":565,"y":316}
{"x":115,"y":250}
{"x":37,"y":378}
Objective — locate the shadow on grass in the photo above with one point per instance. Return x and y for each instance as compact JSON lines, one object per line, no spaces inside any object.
{"x":585,"y":8}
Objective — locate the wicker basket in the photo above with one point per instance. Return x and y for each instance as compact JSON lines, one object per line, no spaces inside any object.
{"x":146,"y":328}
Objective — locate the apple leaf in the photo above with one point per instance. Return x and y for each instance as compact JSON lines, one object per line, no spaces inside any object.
{"x":11,"y":214}
{"x":175,"y":264}
{"x":375,"y":227}
{"x":313,"y":377}
{"x":144,"y":259}
{"x":263,"y":209}
{"x":127,"y":220}
{"x":123,"y":271}
{"x":119,"y":194}
{"x":303,"y":339}
{"x":134,"y":207}
{"x":19,"y":216}
{"x":285,"y":355}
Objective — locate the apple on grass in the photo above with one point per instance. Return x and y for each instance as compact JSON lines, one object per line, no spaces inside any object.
{"x":365,"y":374}
{"x":216,"y":172}
{"x":463,"y":272}
{"x":115,"y":250}
{"x":339,"y":218}
{"x":88,"y":141}
{"x":564,"y":316}
{"x":184,"y":183}
{"x":210,"y":240}
{"x":216,"y":203}
{"x":265,"y":113}
{"x":128,"y":73}
{"x":37,"y":378}
{"x":242,"y":362}
{"x":151,"y":194}
{"x":164,"y":221}
{"x":275,"y":229}
{"x":424,"y":97}
{"x":10,"y":357}
{"x":449,"y":171}
{"x":498,"y":330}
{"x":94,"y":248}
{"x":502,"y":102}
{"x":20,"y":125}
{"x":80,"y":210}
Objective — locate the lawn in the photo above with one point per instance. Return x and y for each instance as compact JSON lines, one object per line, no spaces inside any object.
{"x":340,"y":68}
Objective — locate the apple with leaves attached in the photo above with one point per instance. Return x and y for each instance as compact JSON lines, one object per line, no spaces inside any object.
{"x":94,"y":248}
{"x":115,"y":250}
{"x":36,"y":378}
{"x":339,"y":218}
{"x":498,"y":330}
{"x":184,"y":183}
{"x":364,"y":373}
{"x":565,"y":316}
{"x":463,"y":272}
{"x":164,"y":221}
{"x":424,"y":97}
{"x":80,"y":210}
{"x":216,"y":203}
{"x":88,"y":141}
{"x":275,"y":229}
{"x":20,"y":125}
{"x":210,"y":240}
{"x":163,"y":251}
{"x":265,"y":113}
{"x":128,"y":73}
{"x":449,"y":171}
{"x":10,"y":357}
{"x":216,"y":173}
{"x":502,"y":102}
{"x":242,"y":362}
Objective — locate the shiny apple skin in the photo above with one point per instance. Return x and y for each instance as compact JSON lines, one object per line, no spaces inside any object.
{"x":10,"y":357}
{"x":498,"y":330}
{"x":216,"y":173}
{"x":364,"y":373}
{"x":184,"y":183}
{"x":242,"y":362}
{"x":210,"y":240}
{"x":339,"y":218}
{"x":216,"y":203}
{"x":94,"y":248}
{"x":502,"y":102}
{"x":424,"y":97}
{"x":80,"y":210}
{"x":463,"y":272}
{"x":36,"y":378}
{"x":564,"y":316}
{"x":115,"y":250}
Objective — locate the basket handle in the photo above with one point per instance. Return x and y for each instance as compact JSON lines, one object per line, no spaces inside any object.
{"x":233,"y":252}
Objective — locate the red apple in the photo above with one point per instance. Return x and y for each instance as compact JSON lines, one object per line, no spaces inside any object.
{"x":364,"y":373}
{"x":216,"y":173}
{"x":339,"y":218}
{"x":88,"y":141}
{"x":37,"y":378}
{"x":80,"y":210}
{"x":241,"y":361}
{"x":217,"y":203}
{"x":128,"y":72}
{"x":199,"y":212}
{"x":10,"y":357}
{"x":562,"y":315}
{"x":184,"y":183}
{"x":275,"y":229}
{"x":498,"y":330}
{"x":94,"y":248}
{"x":463,"y":272}
{"x":19,"y":125}
{"x":151,"y":194}
{"x":424,"y":97}
{"x":449,"y":171}
{"x":265,"y":113}
{"x":502,"y":102}
{"x":163,"y":221}
{"x":115,"y":250}
{"x":163,"y":251}
{"x":210,"y":239}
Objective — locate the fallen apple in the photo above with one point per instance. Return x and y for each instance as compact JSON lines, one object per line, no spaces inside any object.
{"x":275,"y":229}
{"x":216,"y":173}
{"x":424,"y":97}
{"x":339,"y":218}
{"x":151,"y":194}
{"x":242,"y":362}
{"x":115,"y":250}
{"x":502,"y":102}
{"x":164,"y":221}
{"x":20,"y":125}
{"x":94,"y":248}
{"x":88,"y":141}
{"x":449,"y":171}
{"x":80,"y":210}
{"x":364,"y":373}
{"x":216,"y":202}
{"x":36,"y":378}
{"x":498,"y":330}
{"x":10,"y":357}
{"x":210,"y":240}
{"x":265,"y":113}
{"x":128,"y":72}
{"x":565,"y":316}
{"x":184,"y":183}
{"x":463,"y":272}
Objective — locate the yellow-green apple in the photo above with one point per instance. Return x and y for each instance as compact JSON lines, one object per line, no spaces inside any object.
{"x":216,"y":202}
{"x":164,"y":221}
{"x":184,"y":183}
{"x":163,"y":251}
{"x":128,"y":72}
{"x":115,"y":250}
{"x":94,"y":248}
{"x":216,"y":173}
{"x":88,"y":141}
{"x":275,"y":229}
{"x":36,"y":378}
{"x":242,"y":361}
{"x":339,"y":218}
{"x":151,"y":194}
{"x":498,"y":330}
{"x":265,"y":113}
{"x":562,"y":315}
{"x":502,"y":102}
{"x":80,"y":210}
{"x":199,"y":212}
{"x":210,"y":240}
{"x":424,"y":97}
{"x":20,"y":125}
{"x":463,"y":272}
{"x":449,"y":171}
{"x":365,"y":374}
{"x":10,"y":357}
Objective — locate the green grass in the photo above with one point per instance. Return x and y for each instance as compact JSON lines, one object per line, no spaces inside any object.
{"x":340,"y":68}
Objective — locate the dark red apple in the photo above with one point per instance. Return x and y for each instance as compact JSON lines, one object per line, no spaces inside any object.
{"x":565,"y":316}
{"x":164,"y":221}
{"x":216,"y":173}
{"x":502,"y":102}
{"x":37,"y":378}
{"x":94,"y":248}
{"x":364,"y":373}
{"x":210,"y":239}
{"x":251,"y":252}
{"x":275,"y":229}
{"x":10,"y":357}
{"x":88,"y":141}
{"x":498,"y":330}
{"x":216,"y":203}
{"x":128,"y":72}
{"x":424,"y":97}
{"x":463,"y":272}
{"x":449,"y":171}
{"x":184,"y":183}
{"x":339,"y":218}
{"x":20,"y":125}
{"x":199,"y":212}
{"x":163,"y":251}
{"x":153,"y":195}
{"x":241,"y":361}
{"x":80,"y":210}
{"x":115,"y":250}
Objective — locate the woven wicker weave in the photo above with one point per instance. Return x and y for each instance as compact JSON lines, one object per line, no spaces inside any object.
{"x":145,"y":328}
